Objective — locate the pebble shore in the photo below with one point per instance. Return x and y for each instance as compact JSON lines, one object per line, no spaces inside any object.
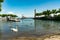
{"x":48,"y":37}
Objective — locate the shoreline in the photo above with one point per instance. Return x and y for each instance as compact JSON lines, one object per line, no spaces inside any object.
{"x":52,"y":19}
{"x":45,"y":37}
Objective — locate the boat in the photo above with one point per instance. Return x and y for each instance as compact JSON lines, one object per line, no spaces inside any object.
{"x":14,"y":19}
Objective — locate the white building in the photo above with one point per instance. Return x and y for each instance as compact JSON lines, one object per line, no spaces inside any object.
{"x":52,"y":15}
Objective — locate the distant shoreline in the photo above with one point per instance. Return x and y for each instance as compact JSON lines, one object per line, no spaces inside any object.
{"x":45,"y":18}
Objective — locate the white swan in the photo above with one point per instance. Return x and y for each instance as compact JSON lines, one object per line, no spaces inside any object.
{"x":14,"y":29}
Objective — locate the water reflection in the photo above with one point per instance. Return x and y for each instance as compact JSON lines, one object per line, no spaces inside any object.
{"x":47,"y":27}
{"x":1,"y":29}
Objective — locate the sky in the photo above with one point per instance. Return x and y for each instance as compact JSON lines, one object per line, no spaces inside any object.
{"x":26,"y":7}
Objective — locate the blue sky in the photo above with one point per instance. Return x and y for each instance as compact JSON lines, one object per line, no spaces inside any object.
{"x":26,"y":7}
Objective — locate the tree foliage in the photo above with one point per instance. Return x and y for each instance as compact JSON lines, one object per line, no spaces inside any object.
{"x":5,"y":15}
{"x":1,"y":0}
{"x":48,"y":12}
{"x":0,"y":4}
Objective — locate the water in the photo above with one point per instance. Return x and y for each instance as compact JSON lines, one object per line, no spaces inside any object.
{"x":28,"y":27}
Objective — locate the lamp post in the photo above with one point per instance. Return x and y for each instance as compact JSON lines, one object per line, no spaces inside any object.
{"x":35,"y":13}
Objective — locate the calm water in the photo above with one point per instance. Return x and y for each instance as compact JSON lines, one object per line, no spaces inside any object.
{"x":28,"y":27}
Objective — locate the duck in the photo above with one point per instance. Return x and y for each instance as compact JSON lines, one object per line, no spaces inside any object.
{"x":14,"y":29}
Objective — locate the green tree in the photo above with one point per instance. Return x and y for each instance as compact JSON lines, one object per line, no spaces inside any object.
{"x":58,"y":11}
{"x":48,"y":12}
{"x":1,"y":0}
{"x":12,"y":15}
{"x":0,"y":3}
{"x":54,"y":11}
{"x":0,"y":6}
{"x":5,"y":15}
{"x":44,"y":13}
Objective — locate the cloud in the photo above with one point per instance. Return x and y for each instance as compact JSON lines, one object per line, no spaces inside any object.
{"x":10,"y":13}
{"x":19,"y":15}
